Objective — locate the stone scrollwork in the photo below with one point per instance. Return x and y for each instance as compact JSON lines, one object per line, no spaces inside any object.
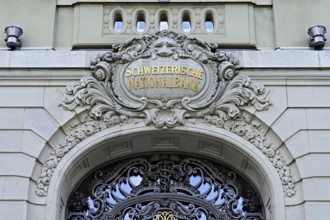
{"x":166,"y":80}
{"x":211,"y":86}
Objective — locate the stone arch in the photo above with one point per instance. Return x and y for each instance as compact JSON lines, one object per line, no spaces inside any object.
{"x":216,"y":119}
{"x":219,"y":144}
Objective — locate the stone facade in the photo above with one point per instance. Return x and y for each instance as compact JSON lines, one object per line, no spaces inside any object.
{"x":279,"y":142}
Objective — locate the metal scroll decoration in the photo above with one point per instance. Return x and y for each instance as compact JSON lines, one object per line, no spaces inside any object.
{"x":164,"y":215}
{"x":164,"y":78}
{"x":165,"y":187}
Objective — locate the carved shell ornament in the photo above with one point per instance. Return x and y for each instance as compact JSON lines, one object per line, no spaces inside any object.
{"x":166,"y":79}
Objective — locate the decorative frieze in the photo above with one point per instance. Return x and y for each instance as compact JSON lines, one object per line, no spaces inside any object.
{"x":206,"y":20}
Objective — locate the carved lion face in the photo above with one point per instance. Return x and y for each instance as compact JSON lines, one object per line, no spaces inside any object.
{"x":165,"y":46}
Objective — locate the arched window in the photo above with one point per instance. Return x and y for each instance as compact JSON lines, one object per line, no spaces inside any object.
{"x":140,"y":22}
{"x":209,"y":23}
{"x":186,"y":23}
{"x":163,"y":22}
{"x":118,"y":24}
{"x":167,"y":187}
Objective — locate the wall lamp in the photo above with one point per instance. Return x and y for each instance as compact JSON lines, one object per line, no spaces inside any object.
{"x":13,"y":36}
{"x":316,"y":33}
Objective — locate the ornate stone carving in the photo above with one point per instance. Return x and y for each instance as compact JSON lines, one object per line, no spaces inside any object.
{"x":251,"y":131}
{"x":202,"y":83}
{"x":78,"y":133}
{"x":216,"y":95}
{"x":243,"y":126}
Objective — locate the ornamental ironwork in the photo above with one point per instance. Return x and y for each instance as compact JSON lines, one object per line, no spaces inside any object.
{"x":165,"y":187}
{"x":164,"y":215}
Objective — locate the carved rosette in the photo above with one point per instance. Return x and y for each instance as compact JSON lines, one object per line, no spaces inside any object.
{"x":166,"y":80}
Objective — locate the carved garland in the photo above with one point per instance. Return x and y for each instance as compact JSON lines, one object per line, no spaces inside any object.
{"x":220,"y":102}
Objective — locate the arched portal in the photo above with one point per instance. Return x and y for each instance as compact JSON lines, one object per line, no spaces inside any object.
{"x":192,"y":95}
{"x":165,"y":185}
{"x":220,"y":147}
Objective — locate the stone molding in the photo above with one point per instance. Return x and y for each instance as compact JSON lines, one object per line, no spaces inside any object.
{"x":221,"y":105}
{"x":256,"y":2}
{"x":278,"y":59}
{"x":245,"y":127}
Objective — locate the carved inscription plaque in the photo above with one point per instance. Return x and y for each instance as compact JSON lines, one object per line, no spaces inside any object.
{"x":164,"y":78}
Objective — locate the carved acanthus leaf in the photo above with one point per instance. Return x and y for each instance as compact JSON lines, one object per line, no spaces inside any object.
{"x":104,"y":92}
{"x":239,"y":92}
{"x":92,"y":93}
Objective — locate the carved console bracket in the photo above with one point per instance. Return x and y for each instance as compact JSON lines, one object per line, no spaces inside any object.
{"x":166,"y":80}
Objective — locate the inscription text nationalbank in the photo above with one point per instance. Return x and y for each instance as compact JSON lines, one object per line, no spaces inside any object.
{"x":167,"y":76}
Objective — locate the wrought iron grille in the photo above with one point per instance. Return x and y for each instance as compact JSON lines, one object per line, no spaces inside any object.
{"x":164,"y":187}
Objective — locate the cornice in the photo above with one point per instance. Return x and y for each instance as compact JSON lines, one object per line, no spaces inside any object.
{"x":268,"y":59}
{"x":57,"y":68}
{"x":256,"y":2}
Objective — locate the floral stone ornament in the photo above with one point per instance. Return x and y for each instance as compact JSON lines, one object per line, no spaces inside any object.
{"x":166,"y":80}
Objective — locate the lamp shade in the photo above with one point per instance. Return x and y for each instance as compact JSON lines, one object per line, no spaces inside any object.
{"x":316,"y":33}
{"x":13,"y":36}
{"x":316,"y":30}
{"x":13,"y":31}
